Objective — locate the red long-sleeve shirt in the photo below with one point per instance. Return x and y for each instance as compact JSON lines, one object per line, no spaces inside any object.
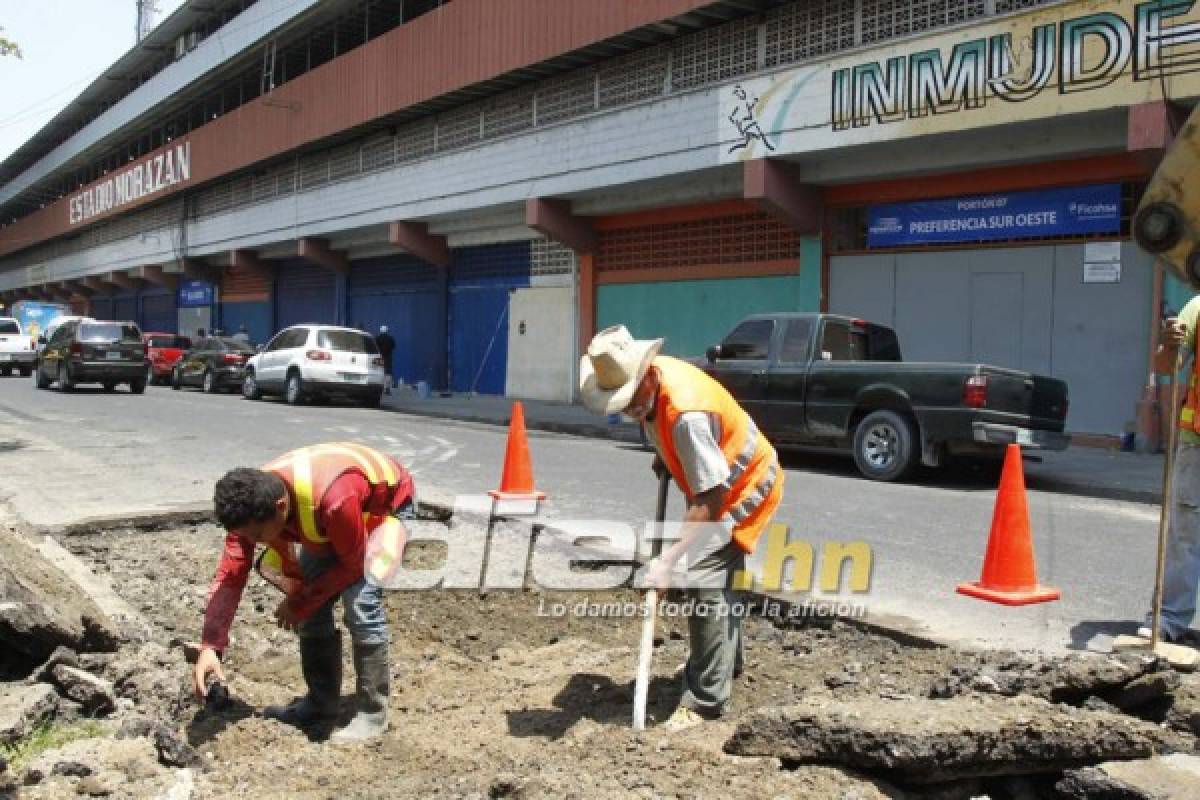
{"x":339,"y":517}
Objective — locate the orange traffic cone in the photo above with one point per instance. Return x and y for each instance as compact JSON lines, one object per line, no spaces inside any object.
{"x":517,"y":481}
{"x":1009,"y":575}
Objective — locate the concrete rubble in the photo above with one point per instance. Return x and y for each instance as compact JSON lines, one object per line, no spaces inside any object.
{"x":1173,"y":777}
{"x":922,"y":741}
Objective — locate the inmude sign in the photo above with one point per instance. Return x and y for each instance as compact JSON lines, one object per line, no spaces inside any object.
{"x":1072,"y":58}
{"x":149,"y":176}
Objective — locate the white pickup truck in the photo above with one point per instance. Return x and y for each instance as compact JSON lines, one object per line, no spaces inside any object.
{"x":16,"y":348}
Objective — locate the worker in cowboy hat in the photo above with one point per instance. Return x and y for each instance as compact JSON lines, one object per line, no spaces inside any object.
{"x":730,"y":477}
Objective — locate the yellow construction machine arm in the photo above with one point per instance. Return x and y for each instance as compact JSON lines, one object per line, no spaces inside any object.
{"x":1167,"y":223}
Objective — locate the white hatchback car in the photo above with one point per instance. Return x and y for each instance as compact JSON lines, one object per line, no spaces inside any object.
{"x":306,"y":361}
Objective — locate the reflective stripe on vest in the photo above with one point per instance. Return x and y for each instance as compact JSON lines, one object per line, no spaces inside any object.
{"x":309,"y":471}
{"x":755,"y":480}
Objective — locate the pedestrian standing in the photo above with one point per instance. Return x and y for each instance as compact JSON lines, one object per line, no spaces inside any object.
{"x":732,"y":482}
{"x":387,"y":346}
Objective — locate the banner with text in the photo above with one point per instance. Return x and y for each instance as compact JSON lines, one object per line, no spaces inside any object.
{"x":1076,"y":211}
{"x":1069,"y":58}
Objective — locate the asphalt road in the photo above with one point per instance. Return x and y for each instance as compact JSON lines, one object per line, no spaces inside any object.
{"x":70,"y":457}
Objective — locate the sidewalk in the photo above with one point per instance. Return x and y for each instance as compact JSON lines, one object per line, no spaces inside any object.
{"x":1087,"y":471}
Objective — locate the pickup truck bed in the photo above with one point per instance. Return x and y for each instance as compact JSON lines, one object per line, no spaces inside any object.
{"x":820,"y":380}
{"x":16,"y":348}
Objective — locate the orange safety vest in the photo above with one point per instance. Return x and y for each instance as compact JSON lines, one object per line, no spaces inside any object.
{"x":755,"y":479}
{"x":309,"y":472}
{"x":1187,"y":414}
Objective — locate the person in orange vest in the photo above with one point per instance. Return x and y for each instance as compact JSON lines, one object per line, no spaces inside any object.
{"x":330,"y":518}
{"x":1181,"y":577}
{"x":730,"y":477}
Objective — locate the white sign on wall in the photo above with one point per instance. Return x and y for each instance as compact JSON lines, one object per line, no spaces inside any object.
{"x":1102,"y":262}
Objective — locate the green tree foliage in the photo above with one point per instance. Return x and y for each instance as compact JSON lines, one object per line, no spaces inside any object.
{"x":7,"y":46}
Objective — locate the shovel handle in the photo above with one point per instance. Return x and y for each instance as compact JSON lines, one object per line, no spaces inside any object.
{"x":641,"y":684}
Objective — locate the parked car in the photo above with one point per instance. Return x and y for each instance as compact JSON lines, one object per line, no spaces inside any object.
{"x":16,"y":348}
{"x":51,"y":327}
{"x":820,"y":380}
{"x":215,"y":363}
{"x":163,"y":351}
{"x":91,"y":351}
{"x":307,"y":361}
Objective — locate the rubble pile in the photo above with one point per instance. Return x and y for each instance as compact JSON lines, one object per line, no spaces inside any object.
{"x":540,"y":704}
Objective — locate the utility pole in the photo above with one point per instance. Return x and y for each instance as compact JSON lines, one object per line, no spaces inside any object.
{"x":146,"y":11}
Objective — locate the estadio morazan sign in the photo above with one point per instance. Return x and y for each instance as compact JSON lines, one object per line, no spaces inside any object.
{"x":1066,"y":59}
{"x":149,"y":176}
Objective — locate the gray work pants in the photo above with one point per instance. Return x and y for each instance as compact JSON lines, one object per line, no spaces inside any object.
{"x":1183,"y":544}
{"x":714,"y":633}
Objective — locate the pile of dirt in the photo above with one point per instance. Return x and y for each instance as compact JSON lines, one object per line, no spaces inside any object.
{"x":494,"y":697}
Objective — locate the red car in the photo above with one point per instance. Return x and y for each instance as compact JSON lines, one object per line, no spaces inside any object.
{"x":163,"y":350}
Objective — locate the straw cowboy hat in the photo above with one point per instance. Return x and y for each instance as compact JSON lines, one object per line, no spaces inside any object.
{"x":612,"y":369}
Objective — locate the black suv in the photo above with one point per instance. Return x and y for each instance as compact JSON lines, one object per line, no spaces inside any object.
{"x":91,"y":351}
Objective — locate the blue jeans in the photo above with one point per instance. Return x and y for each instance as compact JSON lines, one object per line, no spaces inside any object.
{"x":362,"y":607}
{"x":1183,"y":543}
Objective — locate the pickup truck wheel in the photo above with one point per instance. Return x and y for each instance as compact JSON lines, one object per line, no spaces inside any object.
{"x":26,"y":372}
{"x":39,"y":378}
{"x":885,"y":446}
{"x":6,"y":372}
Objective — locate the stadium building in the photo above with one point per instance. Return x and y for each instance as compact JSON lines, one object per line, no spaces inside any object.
{"x":497,"y":179}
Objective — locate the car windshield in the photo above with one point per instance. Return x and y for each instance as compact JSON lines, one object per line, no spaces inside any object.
{"x":9,"y":326}
{"x":347,"y":341}
{"x":178,"y":342}
{"x":108,"y":332}
{"x":231,"y":345}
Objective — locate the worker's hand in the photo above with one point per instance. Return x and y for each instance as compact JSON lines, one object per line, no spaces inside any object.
{"x":208,"y":661}
{"x":658,"y":575}
{"x":1174,"y":333}
{"x":285,"y":616}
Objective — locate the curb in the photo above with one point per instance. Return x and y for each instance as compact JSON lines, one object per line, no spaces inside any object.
{"x":625,"y":432}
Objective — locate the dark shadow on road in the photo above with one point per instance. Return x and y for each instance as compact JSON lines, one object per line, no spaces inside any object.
{"x":594,"y":697}
{"x":206,"y":724}
{"x":1083,"y":632}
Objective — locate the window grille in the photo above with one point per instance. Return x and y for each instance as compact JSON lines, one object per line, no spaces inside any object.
{"x":568,"y":96}
{"x":716,"y":54}
{"x":800,"y":31}
{"x":509,"y":113}
{"x":550,"y":258}
{"x":638,"y":76}
{"x":415,"y":140}
{"x":731,"y":240}
{"x":458,"y":128}
{"x":314,"y":170}
{"x":378,"y":153}
{"x":343,"y":162}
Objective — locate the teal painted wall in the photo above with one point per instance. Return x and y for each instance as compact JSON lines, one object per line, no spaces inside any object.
{"x":1176,"y":293}
{"x":692,"y":315}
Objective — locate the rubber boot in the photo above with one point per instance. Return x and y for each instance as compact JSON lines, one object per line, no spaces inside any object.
{"x":373,"y":672}
{"x":321,"y":663}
